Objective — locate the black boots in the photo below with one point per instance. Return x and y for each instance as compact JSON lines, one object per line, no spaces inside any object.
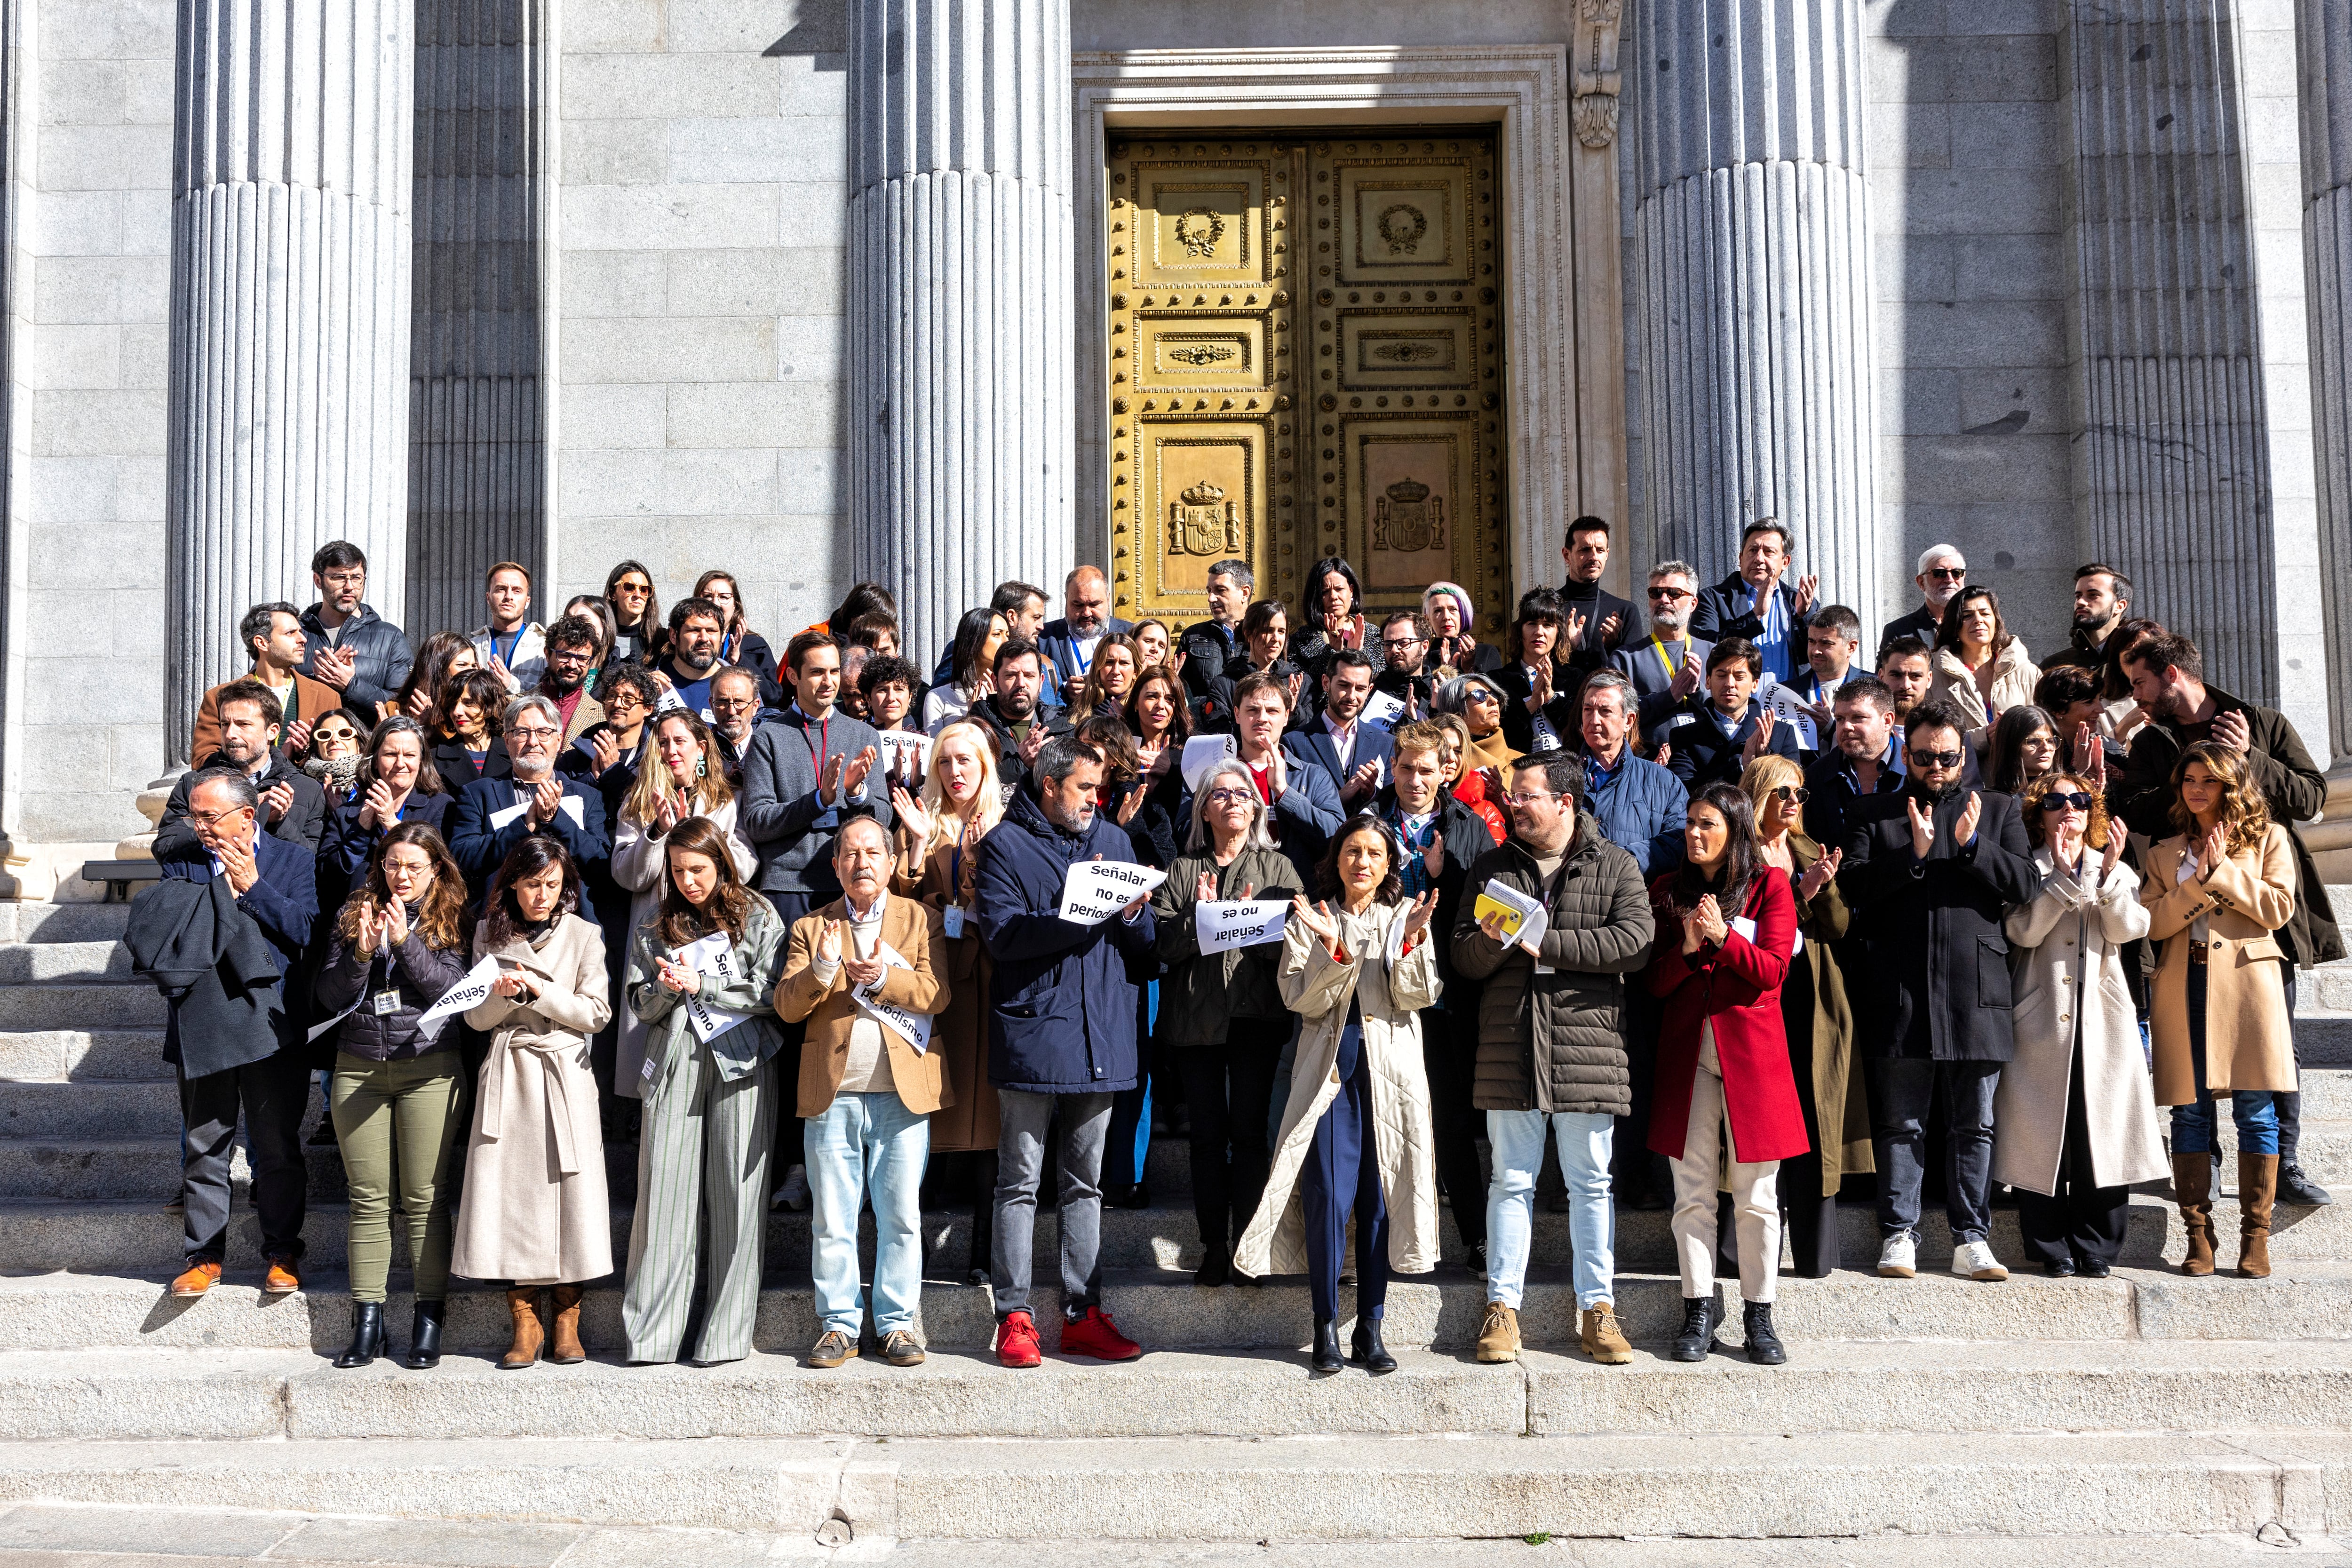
{"x":1366,"y":1349}
{"x":1702,"y":1315}
{"x":424,"y":1338}
{"x":1216,"y":1266}
{"x":1764,"y":1346}
{"x":367,"y":1335}
{"x":1326,"y":1345}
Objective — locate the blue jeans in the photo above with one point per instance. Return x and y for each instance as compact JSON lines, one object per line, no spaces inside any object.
{"x":1586,"y":1145}
{"x":2255,"y":1111}
{"x":863,"y":1138}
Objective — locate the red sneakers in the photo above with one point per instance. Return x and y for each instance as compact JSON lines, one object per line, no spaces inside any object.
{"x":1016,"y":1341}
{"x":1094,"y":1335}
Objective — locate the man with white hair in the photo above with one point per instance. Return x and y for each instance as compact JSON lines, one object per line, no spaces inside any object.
{"x":1943,"y":573}
{"x":491,"y":816}
{"x":1068,"y":644}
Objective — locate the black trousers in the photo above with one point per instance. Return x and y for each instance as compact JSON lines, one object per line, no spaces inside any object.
{"x":2080,"y":1220}
{"x":1230,"y":1089}
{"x":1449,"y":1053}
{"x":2290,"y":1104}
{"x":272,"y":1093}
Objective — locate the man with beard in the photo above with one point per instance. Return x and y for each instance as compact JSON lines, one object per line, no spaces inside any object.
{"x":735,"y":714}
{"x":1666,"y":663}
{"x":1943,"y":573}
{"x":1907,"y":667}
{"x":1017,"y":710}
{"x":491,"y":816}
{"x":2167,"y":676}
{"x":570,"y":649}
{"x":1207,"y":647}
{"x":1862,"y":760}
{"x":1353,"y":754}
{"x":291,"y":805}
{"x":1928,"y":873}
{"x":696,"y":629}
{"x":1755,"y":604}
{"x":2102,"y":603}
{"x":1068,"y":645}
{"x":1404,"y":670}
{"x":1603,"y":622}
{"x":346,"y":644}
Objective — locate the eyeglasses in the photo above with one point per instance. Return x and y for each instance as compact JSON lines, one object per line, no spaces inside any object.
{"x":622,"y":701}
{"x":213,"y":818}
{"x":1936,"y":758}
{"x":570,"y":655}
{"x":741,"y":704}
{"x":1402,"y":642}
{"x":1795,"y":794}
{"x":2074,"y":800}
{"x":1232,"y":797}
{"x":533,"y":731}
{"x":1946,"y":574}
{"x":1528,"y":800}
{"x":1671,"y":594}
{"x":351,"y":579}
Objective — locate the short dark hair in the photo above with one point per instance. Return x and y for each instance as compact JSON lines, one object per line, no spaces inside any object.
{"x":1059,"y":755}
{"x":686,"y":609}
{"x":1586,"y":525}
{"x":1537,"y":606}
{"x":1563,"y":774}
{"x":802,"y":646}
{"x":2116,"y":580}
{"x":1011,"y":596}
{"x":1260,"y":614}
{"x":260,"y":620}
{"x":2169,"y":651}
{"x":1348,"y":659}
{"x":1839,"y":619}
{"x":1012,"y":649}
{"x":1933,"y":716}
{"x":576,"y":631}
{"x":336,"y":556}
{"x":1420,"y":623}
{"x":883,"y":671}
{"x":1770,"y":525}
{"x":1905,"y":648}
{"x":2063,"y":686}
{"x":250,"y":691}
{"x":866,"y":630}
{"x":1866,"y":688}
{"x":1740,"y":648}
{"x":1259,"y":680}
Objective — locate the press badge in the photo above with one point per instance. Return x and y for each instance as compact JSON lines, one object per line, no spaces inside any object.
{"x":386,"y":1002}
{"x":952,"y":918}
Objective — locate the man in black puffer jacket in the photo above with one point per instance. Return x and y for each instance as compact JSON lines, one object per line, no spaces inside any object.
{"x":1552,"y":1043}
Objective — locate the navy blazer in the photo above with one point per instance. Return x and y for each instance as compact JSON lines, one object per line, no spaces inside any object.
{"x":1702,"y":754}
{"x":284,"y":903}
{"x":1055,"y":641}
{"x":1313,"y":746}
{"x":1718,"y":614}
{"x":344,"y":852}
{"x":481,"y":849}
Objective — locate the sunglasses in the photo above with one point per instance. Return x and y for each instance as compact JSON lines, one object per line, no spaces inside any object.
{"x":1670,"y":592}
{"x":335,"y":734}
{"x":1795,"y":794}
{"x":1946,"y":574}
{"x":2073,"y":801}
{"x":1936,"y":758}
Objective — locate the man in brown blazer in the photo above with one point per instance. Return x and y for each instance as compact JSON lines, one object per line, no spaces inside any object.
{"x":272,"y":633}
{"x":858,"y":973}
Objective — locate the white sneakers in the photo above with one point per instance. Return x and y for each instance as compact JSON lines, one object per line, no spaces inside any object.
{"x":795,"y":1192}
{"x":1975,"y":1259}
{"x":1898,"y":1257}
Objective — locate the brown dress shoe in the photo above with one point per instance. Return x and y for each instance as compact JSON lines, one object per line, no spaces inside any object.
{"x":522,"y":1301}
{"x":899,"y":1349}
{"x":281,"y":1279}
{"x":201,"y":1277}
{"x":832,"y":1348}
{"x":565,"y":1348}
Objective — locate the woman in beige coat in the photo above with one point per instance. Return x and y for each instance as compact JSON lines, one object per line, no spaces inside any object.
{"x":534,"y":1210}
{"x":2073,"y":1119}
{"x":1981,"y":670}
{"x":2217,"y":894}
{"x":1356,"y":1133}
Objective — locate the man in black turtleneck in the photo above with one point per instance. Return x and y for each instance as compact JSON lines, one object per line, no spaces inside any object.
{"x":2102,"y":603}
{"x":1609,"y":623}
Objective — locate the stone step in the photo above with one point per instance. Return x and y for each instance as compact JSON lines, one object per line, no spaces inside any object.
{"x":63,"y":922}
{"x":55,"y":1055}
{"x":135,"y":1396}
{"x":41,"y":962}
{"x":2324,"y":1037}
{"x":1163,"y":1310}
{"x":63,"y":1112}
{"x":133,"y":1005}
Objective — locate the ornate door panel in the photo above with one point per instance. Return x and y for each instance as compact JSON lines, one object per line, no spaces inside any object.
{"x":1367,"y":425}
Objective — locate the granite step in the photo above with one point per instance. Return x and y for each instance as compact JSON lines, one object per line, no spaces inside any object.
{"x":58,"y":1056}
{"x":63,"y":922}
{"x":62,"y":1114}
{"x":42,"y":963}
{"x":131,"y":1004}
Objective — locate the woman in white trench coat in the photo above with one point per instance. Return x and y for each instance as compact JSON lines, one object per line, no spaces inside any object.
{"x":1355,"y":1132}
{"x":2075,"y":1113}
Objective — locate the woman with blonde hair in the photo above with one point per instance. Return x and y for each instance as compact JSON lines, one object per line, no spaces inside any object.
{"x":2073,"y":1122}
{"x":1467,"y":786}
{"x":2218,"y":892}
{"x":1818,"y":1021}
{"x":939,"y":865}
{"x":680,"y":777}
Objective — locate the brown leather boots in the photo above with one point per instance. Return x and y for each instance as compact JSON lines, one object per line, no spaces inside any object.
{"x":2192,"y":1188}
{"x":2257,"y":1191}
{"x":564,"y":1347}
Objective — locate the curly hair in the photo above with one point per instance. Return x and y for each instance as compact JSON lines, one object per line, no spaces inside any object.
{"x":440,"y":918}
{"x":1326,"y":871}
{"x":2094,"y":833}
{"x":679,"y":921}
{"x":2244,"y":814}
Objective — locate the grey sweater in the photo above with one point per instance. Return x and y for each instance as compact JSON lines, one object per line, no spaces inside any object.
{"x":780,"y":814}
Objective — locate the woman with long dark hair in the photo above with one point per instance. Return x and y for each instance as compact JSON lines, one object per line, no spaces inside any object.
{"x":399,"y":943}
{"x":1981,"y":668}
{"x":1330,"y":616}
{"x":1110,"y":678}
{"x":2024,"y":746}
{"x":444,"y":657}
{"x":971,"y":669}
{"x":1727,"y":928}
{"x":534,"y":1211}
{"x":637,"y":626}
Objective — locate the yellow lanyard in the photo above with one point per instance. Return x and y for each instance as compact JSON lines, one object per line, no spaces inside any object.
{"x":1671,"y":668}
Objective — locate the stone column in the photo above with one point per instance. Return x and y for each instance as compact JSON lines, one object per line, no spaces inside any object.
{"x":2323,"y":54}
{"x":960,"y":334}
{"x":289,"y":313}
{"x":1753,"y":230}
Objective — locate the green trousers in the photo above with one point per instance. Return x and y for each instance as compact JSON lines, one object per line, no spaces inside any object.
{"x":405,"y":1115}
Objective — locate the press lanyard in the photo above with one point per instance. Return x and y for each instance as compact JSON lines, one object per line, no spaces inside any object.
{"x":1671,"y":668}
{"x":514,"y":648}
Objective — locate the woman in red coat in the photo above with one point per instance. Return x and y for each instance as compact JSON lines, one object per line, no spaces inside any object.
{"x":1723,"y":1061}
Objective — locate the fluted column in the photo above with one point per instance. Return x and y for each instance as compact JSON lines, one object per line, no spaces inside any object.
{"x":289,"y":312}
{"x":961,"y":338}
{"x":1753,"y":232}
{"x":2324,"y":48}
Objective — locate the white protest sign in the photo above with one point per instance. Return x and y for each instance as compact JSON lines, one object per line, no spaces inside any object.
{"x":569,"y":805}
{"x":713,"y":955}
{"x":467,"y":994}
{"x":1792,"y":711}
{"x":913,"y":1027}
{"x":498,"y":819}
{"x":1096,"y":889}
{"x":1222,"y":924}
{"x":906,"y":758}
{"x":1381,"y":710}
{"x":1202,"y":753}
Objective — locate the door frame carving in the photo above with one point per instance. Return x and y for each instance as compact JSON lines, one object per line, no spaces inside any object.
{"x":1563,"y":327}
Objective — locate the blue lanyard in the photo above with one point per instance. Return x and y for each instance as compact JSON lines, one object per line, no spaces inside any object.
{"x":514,"y":648}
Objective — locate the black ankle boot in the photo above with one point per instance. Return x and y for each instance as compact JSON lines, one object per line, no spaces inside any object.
{"x":1366,"y":1349}
{"x":1216,"y":1266}
{"x":1701,"y":1315}
{"x":1326,"y":1345}
{"x":367,"y":1335}
{"x":424,"y":1338}
{"x":1764,"y":1346}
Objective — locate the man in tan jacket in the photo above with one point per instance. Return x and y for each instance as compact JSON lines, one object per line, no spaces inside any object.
{"x":858,"y":973}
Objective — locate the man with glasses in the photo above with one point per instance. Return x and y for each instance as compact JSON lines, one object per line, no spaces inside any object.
{"x":272,"y":633}
{"x":232,"y":900}
{"x":290,"y":803}
{"x":1665,"y":663}
{"x":735,"y":713}
{"x":1943,"y":573}
{"x":1405,"y":668}
{"x":570,"y":649}
{"x":348,"y":646}
{"x":1928,"y":873}
{"x":1551,"y":1041}
{"x":490,"y":816}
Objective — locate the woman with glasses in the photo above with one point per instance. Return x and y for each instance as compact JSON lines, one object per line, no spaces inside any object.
{"x":1222,"y":1013}
{"x":2022,"y":747}
{"x":1982,"y":669}
{"x":2073,"y":1119}
{"x":2218,"y":892}
{"x":1453,"y":646}
{"x":467,"y":744}
{"x":636,"y":614}
{"x":338,"y":738}
{"x":1818,"y":1021}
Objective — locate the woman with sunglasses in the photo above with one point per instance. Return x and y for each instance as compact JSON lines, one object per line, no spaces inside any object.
{"x":1467,"y":786}
{"x":2074,"y":1120}
{"x":1480,"y":702}
{"x":333,"y":754}
{"x":2218,"y":892}
{"x":636,"y":613}
{"x":1818,"y":1023}
{"x":1222,"y":1013}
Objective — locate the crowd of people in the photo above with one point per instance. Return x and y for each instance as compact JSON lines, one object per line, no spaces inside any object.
{"x":1734,"y":919}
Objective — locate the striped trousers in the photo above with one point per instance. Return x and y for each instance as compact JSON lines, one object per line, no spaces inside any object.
{"x":702,"y":1156}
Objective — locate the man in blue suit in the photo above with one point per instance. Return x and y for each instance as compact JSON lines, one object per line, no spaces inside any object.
{"x":1754,"y":602}
{"x":1069,"y":643}
{"x":1351,"y":753}
{"x":490,"y":816}
{"x":228,"y":1054}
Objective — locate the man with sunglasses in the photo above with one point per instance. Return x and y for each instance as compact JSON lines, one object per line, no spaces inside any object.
{"x":1928,"y":873}
{"x":1943,"y":573}
{"x":1665,"y":663}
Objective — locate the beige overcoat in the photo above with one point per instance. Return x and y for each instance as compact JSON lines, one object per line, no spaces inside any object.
{"x":2015,"y":674}
{"x":967,"y":1119}
{"x":2249,"y":1039}
{"x":1316,"y":987}
{"x":535,"y":1209}
{"x":2067,"y":972}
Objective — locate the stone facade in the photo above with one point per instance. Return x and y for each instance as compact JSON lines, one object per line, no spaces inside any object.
{"x":650,"y":200}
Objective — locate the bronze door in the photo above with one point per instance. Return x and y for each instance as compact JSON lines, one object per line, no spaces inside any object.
{"x":1366,"y":425}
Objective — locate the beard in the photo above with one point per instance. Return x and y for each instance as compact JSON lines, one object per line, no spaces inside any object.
{"x":694,"y":664}
{"x":1937,"y":793}
{"x":1672,"y":620}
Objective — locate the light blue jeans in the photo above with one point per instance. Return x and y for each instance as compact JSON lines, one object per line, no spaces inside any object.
{"x":864,"y":1139}
{"x":1585,"y":1143}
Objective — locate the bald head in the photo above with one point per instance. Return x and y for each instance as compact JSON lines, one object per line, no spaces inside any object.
{"x":1086,"y":601}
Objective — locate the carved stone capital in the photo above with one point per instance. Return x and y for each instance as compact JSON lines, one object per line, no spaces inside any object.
{"x":1597,"y":76}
